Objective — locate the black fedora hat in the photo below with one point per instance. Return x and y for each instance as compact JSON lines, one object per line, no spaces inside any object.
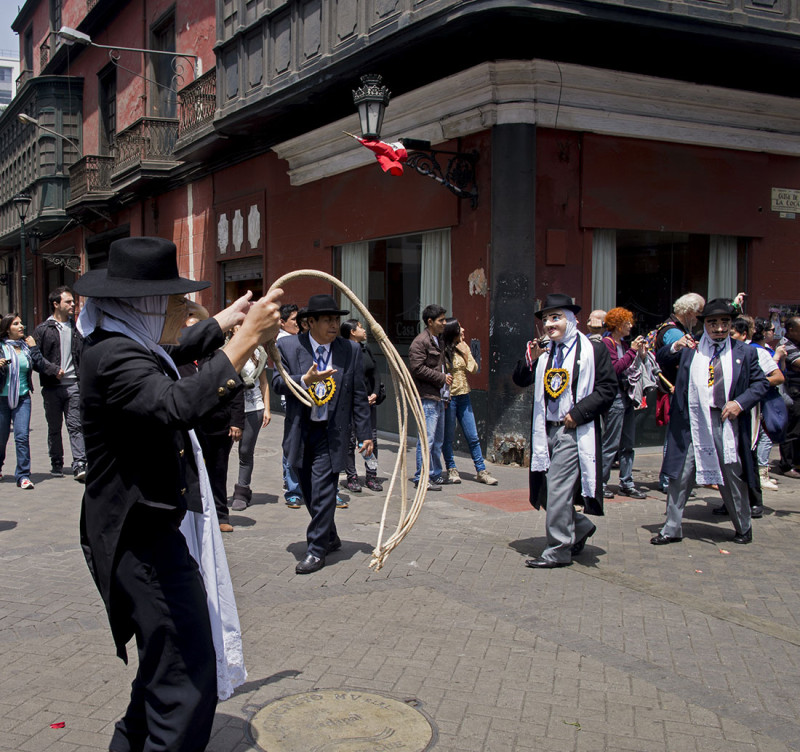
{"x":323,"y":305}
{"x":557,"y":300}
{"x":137,"y":267}
{"x":718,"y":307}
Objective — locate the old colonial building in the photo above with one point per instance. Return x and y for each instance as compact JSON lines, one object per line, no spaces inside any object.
{"x":623,"y":152}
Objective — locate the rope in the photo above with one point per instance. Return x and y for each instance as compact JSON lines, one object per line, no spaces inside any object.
{"x":408,"y":402}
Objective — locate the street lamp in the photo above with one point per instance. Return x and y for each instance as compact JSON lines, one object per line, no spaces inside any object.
{"x":371,"y":100}
{"x":73,"y":36}
{"x":21,"y":203}
{"x":458,"y":176}
{"x":28,"y":120}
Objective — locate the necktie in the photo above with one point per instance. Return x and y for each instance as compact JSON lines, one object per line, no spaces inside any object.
{"x":718,"y":390}
{"x":558,"y":359}
{"x":320,"y":358}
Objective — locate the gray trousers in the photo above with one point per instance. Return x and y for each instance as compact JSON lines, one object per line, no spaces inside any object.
{"x":563,"y":525}
{"x":62,"y":403}
{"x":733,"y":490}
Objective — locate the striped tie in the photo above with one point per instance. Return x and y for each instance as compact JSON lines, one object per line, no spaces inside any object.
{"x":718,"y":389}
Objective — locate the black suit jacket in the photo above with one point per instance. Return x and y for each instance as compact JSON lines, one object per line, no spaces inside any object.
{"x":749,"y":387}
{"x":136,"y":415}
{"x":349,"y":402}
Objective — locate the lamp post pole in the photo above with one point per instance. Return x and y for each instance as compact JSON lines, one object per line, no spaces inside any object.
{"x":22,"y":202}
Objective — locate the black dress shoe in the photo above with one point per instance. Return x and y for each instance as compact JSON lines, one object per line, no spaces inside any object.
{"x":581,"y":544}
{"x":746,"y":537}
{"x":634,"y":493}
{"x":756,"y":512}
{"x":540,"y":563}
{"x":310,"y":564}
{"x":721,"y":510}
{"x":662,"y":540}
{"x":334,"y":546}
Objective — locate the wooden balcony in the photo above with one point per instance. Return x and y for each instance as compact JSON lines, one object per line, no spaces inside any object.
{"x":146,"y":149}
{"x":197,"y":104}
{"x":90,"y":180}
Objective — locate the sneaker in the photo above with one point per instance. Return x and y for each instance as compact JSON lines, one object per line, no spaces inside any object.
{"x":239,"y":505}
{"x":439,"y":480}
{"x":352,"y":484}
{"x":294,"y":502}
{"x":373,"y":484}
{"x":25,"y":484}
{"x":341,"y":503}
{"x":453,"y":476}
{"x":430,"y":486}
{"x":484,"y":476}
{"x":57,"y":471}
{"x":80,"y":472}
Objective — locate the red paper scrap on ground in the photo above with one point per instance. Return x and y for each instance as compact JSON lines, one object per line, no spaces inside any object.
{"x":60,"y":724}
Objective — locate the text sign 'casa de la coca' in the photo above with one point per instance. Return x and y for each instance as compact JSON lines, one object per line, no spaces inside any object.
{"x":786,"y":200}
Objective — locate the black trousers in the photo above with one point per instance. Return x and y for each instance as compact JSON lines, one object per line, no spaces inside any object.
{"x":159,"y":586}
{"x":216,"y":452}
{"x":318,"y":483}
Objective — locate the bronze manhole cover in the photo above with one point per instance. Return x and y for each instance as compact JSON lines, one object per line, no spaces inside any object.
{"x":334,"y":720}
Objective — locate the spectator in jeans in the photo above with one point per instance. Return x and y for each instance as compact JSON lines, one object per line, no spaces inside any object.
{"x":426,"y":363}
{"x":60,"y":344}
{"x":460,"y":363}
{"x":289,"y":327}
{"x":619,"y":433}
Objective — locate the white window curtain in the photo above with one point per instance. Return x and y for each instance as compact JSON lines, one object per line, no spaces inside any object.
{"x":604,"y":269}
{"x":355,"y":274}
{"x":722,"y":267}
{"x":435,"y":284}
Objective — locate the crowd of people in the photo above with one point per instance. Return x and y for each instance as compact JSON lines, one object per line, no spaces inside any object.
{"x":145,"y":376}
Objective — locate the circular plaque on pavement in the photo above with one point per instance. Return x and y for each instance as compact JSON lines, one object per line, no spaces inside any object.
{"x":335,"y":720}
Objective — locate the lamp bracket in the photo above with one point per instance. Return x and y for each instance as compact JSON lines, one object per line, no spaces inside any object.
{"x":70,"y":262}
{"x":458,"y":176}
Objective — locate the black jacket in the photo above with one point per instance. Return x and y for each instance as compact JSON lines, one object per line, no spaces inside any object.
{"x":136,"y":415}
{"x":48,"y":338}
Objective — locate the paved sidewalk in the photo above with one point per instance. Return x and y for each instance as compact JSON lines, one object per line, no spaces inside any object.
{"x":693,"y":646}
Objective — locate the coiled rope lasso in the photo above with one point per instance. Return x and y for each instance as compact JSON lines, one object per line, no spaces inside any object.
{"x":408,"y":403}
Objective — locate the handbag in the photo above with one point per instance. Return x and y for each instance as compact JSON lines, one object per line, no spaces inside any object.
{"x":774,"y":415}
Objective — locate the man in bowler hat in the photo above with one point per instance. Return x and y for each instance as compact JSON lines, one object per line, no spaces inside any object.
{"x":146,"y":473}
{"x":718,"y":381}
{"x":315,"y":440}
{"x":574,"y":384}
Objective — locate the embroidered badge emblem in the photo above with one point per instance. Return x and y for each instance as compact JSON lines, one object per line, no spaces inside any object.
{"x":322,"y":391}
{"x":556,"y":380}
{"x":710,"y":375}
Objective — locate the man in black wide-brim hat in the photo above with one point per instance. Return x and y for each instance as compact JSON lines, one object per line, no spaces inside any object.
{"x":144,"y":476}
{"x":316,"y":439}
{"x":574,"y":384}
{"x":718,"y":382}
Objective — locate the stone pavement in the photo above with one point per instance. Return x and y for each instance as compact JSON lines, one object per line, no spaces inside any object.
{"x":692,"y":646}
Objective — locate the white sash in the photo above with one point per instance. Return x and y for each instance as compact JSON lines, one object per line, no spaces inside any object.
{"x":707,"y":462}
{"x":540,"y":454}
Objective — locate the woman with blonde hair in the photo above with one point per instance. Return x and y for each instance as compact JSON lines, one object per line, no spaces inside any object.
{"x":619,"y":432}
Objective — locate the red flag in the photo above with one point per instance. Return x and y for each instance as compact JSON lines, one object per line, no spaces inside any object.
{"x":390,"y":156}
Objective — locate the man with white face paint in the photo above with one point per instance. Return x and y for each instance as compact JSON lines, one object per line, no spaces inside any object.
{"x":574,"y":384}
{"x":718,"y":381}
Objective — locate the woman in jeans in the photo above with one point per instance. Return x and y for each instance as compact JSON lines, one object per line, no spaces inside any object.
{"x":619,"y":430}
{"x":460,"y":363}
{"x":19,"y":356}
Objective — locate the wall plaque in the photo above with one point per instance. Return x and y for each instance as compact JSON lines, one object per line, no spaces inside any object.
{"x":786,"y":201}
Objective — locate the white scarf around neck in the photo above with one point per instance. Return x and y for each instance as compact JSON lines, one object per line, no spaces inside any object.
{"x":583,"y":353}
{"x":707,"y":462}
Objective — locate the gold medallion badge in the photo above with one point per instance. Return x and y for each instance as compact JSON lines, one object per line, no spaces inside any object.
{"x":322,"y":391}
{"x":556,"y":380}
{"x":710,"y":375}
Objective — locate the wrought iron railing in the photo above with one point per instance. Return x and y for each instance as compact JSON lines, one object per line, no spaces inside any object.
{"x":44,"y":52}
{"x":198,"y":102}
{"x":89,"y":176}
{"x":148,"y":139}
{"x":26,"y":75}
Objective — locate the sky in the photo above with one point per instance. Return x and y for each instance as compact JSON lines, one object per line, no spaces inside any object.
{"x":8,"y":12}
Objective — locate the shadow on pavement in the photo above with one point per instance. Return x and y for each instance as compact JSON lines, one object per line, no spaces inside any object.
{"x":7,"y":525}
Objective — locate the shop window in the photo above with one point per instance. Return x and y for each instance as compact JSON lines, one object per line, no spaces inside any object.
{"x":396,"y":278}
{"x":655,"y":268}
{"x":242,"y":275}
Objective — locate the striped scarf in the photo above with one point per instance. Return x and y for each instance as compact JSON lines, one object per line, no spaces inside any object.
{"x":13,"y":349}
